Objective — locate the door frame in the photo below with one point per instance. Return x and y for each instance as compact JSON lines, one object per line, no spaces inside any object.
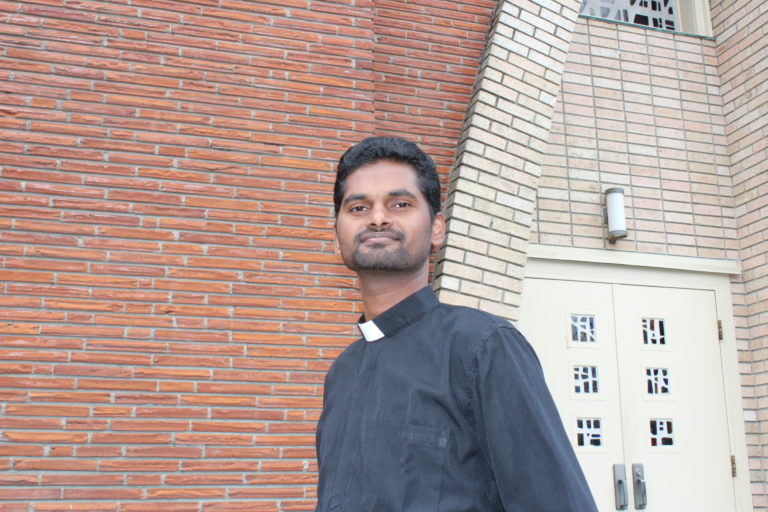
{"x":599,"y":266}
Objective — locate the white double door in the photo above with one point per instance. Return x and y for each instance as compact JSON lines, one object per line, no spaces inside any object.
{"x":636,"y":373}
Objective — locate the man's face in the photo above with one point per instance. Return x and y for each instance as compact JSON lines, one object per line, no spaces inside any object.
{"x":384,"y":222}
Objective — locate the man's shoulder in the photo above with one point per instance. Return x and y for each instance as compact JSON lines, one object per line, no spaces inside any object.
{"x":482,"y":336}
{"x":348,"y":358}
{"x":471,"y":323}
{"x":469,"y":315}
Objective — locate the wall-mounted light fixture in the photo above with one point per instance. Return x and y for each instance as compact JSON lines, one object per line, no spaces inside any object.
{"x":614,"y":214}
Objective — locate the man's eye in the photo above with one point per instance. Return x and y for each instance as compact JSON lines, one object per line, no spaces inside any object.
{"x":358,"y":208}
{"x":402,"y":204}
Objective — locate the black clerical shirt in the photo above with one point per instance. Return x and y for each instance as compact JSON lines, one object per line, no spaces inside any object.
{"x":443,"y":409}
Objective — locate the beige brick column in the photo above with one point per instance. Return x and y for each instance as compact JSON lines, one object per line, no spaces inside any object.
{"x":742,"y":48}
{"x":493,"y":185}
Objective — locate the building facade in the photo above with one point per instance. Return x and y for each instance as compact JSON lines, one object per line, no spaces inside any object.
{"x":171,"y":296}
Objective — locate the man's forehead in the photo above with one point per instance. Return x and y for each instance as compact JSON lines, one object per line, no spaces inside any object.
{"x":384,"y":172}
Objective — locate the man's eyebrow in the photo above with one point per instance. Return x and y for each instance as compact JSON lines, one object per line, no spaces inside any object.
{"x":354,"y":197}
{"x":401,"y":192}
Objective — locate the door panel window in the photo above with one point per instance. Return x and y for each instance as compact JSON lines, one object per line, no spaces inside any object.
{"x":662,"y":433}
{"x":657,"y":380}
{"x":588,"y":432}
{"x":585,"y":379}
{"x":583,"y":329}
{"x":653,"y":331}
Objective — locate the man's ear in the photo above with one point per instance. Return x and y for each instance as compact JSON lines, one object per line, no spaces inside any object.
{"x":438,"y":231}
{"x":336,"y":246}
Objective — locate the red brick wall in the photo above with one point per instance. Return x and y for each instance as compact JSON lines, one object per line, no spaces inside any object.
{"x":170,"y":296}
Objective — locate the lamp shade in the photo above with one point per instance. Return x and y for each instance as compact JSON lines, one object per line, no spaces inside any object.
{"x":614,"y":206}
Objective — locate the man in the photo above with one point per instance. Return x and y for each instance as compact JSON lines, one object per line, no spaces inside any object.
{"x":437,"y":408}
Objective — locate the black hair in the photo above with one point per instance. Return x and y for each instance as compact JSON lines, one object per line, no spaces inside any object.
{"x":373,"y":149}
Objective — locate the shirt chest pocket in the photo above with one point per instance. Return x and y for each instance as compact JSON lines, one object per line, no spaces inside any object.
{"x":404,"y":467}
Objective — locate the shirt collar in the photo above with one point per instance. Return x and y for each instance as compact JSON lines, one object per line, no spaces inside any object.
{"x":401,"y":315}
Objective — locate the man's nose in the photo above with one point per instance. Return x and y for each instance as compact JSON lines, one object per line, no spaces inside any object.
{"x":379,"y":216}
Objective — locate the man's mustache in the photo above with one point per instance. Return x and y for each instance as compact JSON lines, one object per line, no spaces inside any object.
{"x":387,"y":232}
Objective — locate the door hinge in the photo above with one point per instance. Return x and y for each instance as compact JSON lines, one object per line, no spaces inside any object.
{"x":720,"y":330}
{"x":733,"y":465}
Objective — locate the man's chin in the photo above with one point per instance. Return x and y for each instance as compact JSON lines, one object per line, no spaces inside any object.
{"x":383,"y":259}
{"x":383,"y":262}
{"x":377,"y":266}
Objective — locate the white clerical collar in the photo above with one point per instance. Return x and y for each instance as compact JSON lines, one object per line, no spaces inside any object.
{"x":370,"y":331}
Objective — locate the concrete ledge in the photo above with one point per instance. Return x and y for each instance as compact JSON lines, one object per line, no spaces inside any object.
{"x":634,"y":259}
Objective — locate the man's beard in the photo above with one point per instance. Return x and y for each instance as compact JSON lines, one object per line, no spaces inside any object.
{"x":389,"y":259}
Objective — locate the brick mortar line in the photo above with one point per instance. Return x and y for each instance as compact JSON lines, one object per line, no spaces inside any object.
{"x":212,"y":378}
{"x":166,"y":194}
{"x":138,"y":109}
{"x":160,"y":181}
{"x":207,"y":139}
{"x":140,"y":419}
{"x":166,"y":248}
{"x":217,"y":294}
{"x":187,"y":355}
{"x":178,"y":231}
{"x":352,"y":337}
{"x":181,"y":79}
{"x":168,"y":379}
{"x":290,"y":373}
{"x":192,"y":421}
{"x":177,"y":133}
{"x":179,"y":279}
{"x":181,"y":316}
{"x":179,"y":354}
{"x":185,"y":21}
{"x":225,"y":163}
{"x":141,"y":8}
{"x":179,"y":87}
{"x":175,"y":486}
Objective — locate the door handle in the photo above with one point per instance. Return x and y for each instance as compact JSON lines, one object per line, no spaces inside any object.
{"x":638,"y":479}
{"x":620,"y":486}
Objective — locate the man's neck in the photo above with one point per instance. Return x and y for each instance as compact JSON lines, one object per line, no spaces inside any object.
{"x":382,"y":290}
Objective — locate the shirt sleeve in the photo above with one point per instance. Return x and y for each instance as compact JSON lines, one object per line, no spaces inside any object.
{"x":520,"y":432}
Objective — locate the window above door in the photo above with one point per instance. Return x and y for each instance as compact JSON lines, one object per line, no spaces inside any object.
{"x":686,"y":16}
